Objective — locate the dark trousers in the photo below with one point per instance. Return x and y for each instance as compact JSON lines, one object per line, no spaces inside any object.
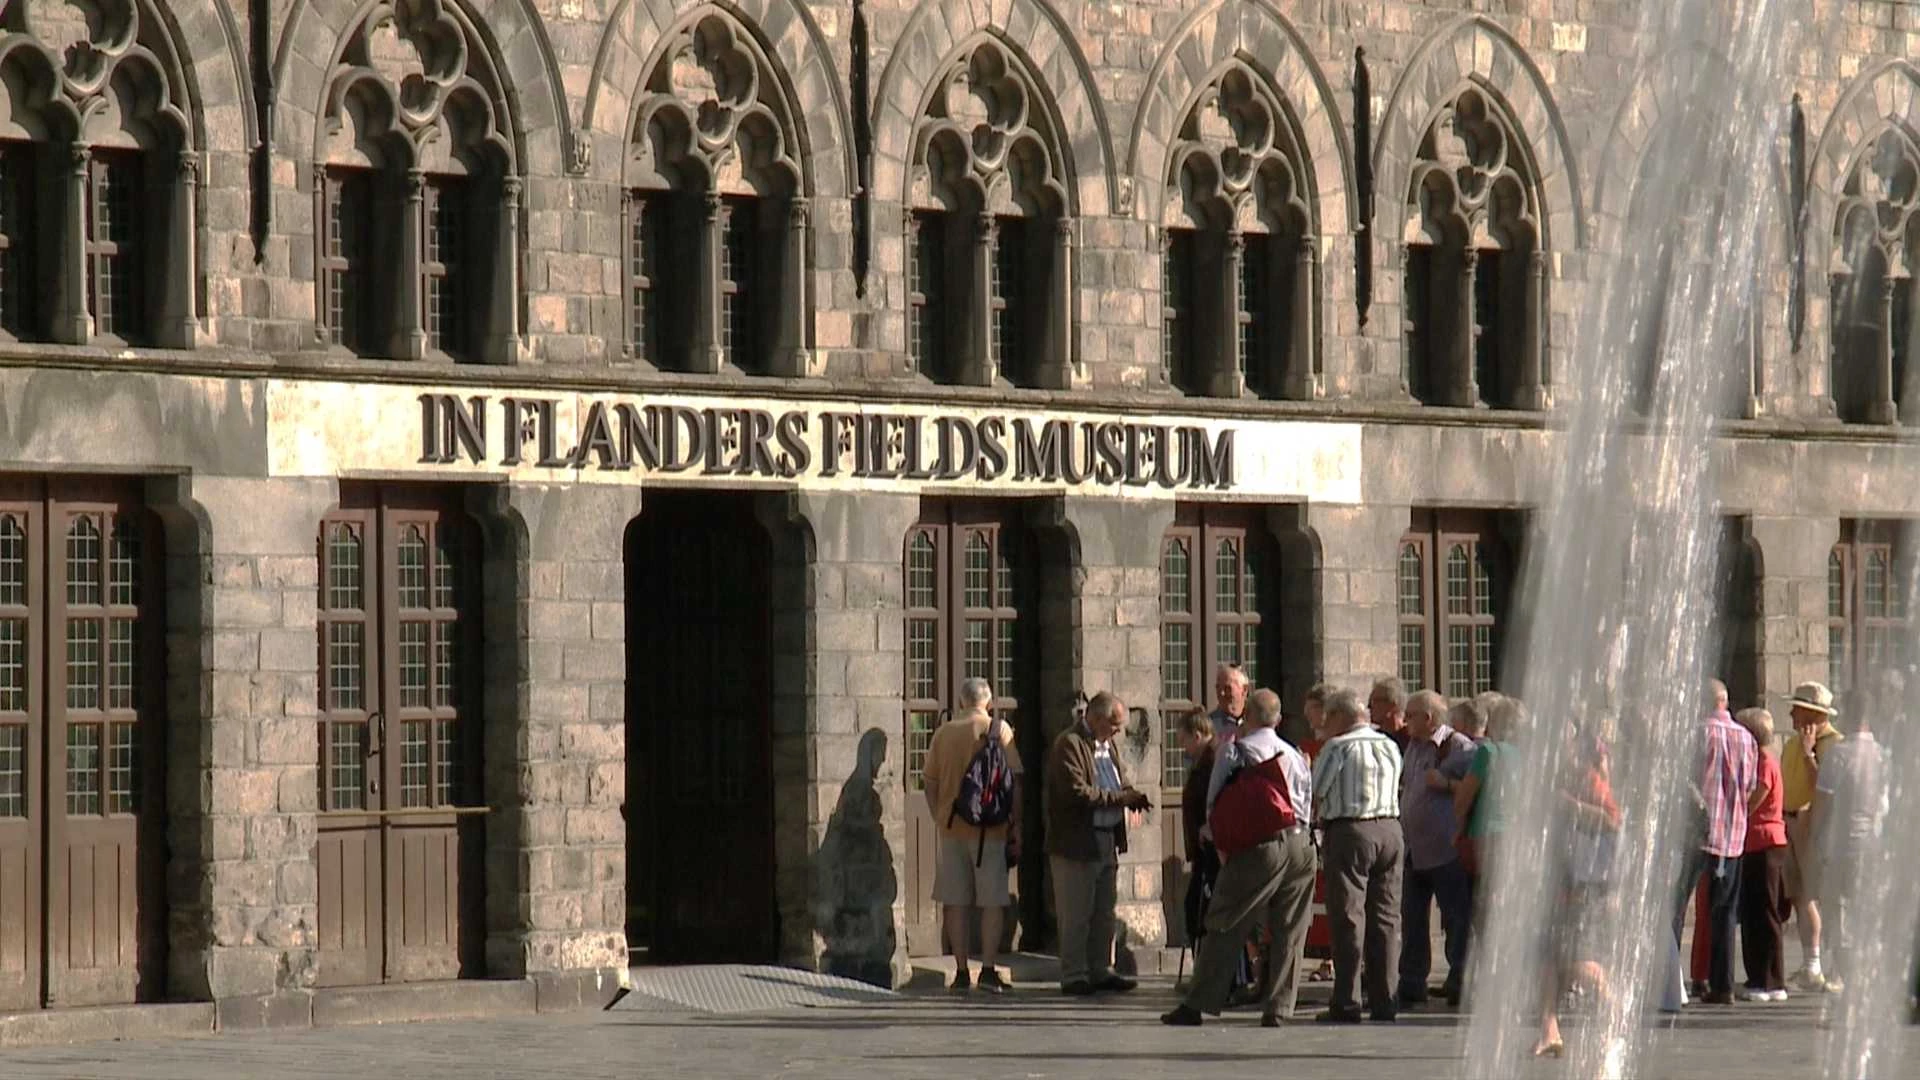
{"x":1449,"y":886}
{"x":1363,"y":862}
{"x":1764,"y":908}
{"x":1270,"y":883}
{"x":1723,"y":900}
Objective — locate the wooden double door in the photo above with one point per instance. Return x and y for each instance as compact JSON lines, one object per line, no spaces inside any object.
{"x":82,"y":748}
{"x":401,"y":840}
{"x":700,"y":862}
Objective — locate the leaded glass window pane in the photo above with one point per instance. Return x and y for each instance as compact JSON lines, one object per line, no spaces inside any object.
{"x":1250,"y":652}
{"x":1836,"y":585}
{"x":346,"y":659}
{"x":1482,"y":585}
{"x":1459,"y":578}
{"x":444,"y":684}
{"x":13,"y":771}
{"x":1176,"y":579}
{"x":446,"y":777}
{"x":920,"y":727}
{"x":415,"y":763}
{"x":1482,"y":659}
{"x":1176,"y":662}
{"x":1459,"y":661}
{"x":978,"y":583}
{"x":346,"y":583}
{"x":1412,"y":591}
{"x":346,"y":766}
{"x":83,"y":664}
{"x":979,"y":650}
{"x":1874,"y":586}
{"x":120,"y":770}
{"x":1226,"y":577}
{"x":13,"y":561}
{"x":1003,"y":660}
{"x":1837,"y":657}
{"x":443,"y":563}
{"x":920,"y":658}
{"x":413,"y":665}
{"x":83,"y":562}
{"x":413,"y":568}
{"x":1173,"y":757}
{"x":1413,"y":657}
{"x":1226,"y":644}
{"x":119,"y":663}
{"x":83,"y":769}
{"x":921,"y":563}
{"x":123,"y":566}
{"x":13,"y":665}
{"x":1003,"y":575}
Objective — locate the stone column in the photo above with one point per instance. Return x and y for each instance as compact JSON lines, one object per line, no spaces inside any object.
{"x":980,"y":362}
{"x":1111,"y":641}
{"x":409,"y":336}
{"x":72,"y":322}
{"x":1462,"y":378}
{"x":792,"y":334}
{"x":555,"y":748}
{"x":1359,"y":551}
{"x":1229,"y":369}
{"x":840,"y":844}
{"x":1881,"y":410}
{"x":242,"y":587}
{"x":1793,"y":600}
{"x":503,"y":306}
{"x":708,"y":357}
{"x":1057,"y":372}
{"x":182,"y":321}
{"x":1532,"y":392}
{"x":1302,"y":323}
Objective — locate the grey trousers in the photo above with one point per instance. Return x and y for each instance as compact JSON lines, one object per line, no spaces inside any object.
{"x":1083,"y":899}
{"x":1271,"y":884}
{"x":1364,"y":860}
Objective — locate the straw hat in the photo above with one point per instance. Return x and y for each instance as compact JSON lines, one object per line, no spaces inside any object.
{"x":1813,"y":697}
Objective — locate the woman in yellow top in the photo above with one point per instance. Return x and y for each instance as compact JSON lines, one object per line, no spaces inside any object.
{"x":1813,"y":712}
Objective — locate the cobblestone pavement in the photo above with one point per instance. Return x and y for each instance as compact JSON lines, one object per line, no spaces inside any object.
{"x":1030,"y":1036}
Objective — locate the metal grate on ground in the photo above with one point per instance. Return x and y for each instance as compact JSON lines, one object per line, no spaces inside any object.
{"x":741,"y":988}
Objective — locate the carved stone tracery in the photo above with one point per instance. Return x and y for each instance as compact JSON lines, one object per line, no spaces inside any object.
{"x":1877,"y":243}
{"x":1469,"y":188}
{"x":984,"y":142}
{"x":712,"y":118}
{"x":415,"y":88}
{"x":1239,"y":162}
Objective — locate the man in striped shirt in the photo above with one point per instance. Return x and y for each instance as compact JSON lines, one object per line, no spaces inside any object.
{"x":1729,"y":770}
{"x":1356,"y":802}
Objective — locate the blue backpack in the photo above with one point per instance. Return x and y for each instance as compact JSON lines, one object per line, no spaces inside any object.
{"x":986,"y":789}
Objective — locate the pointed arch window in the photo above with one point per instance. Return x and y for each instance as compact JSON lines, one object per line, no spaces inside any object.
{"x":1452,"y":608}
{"x":1239,"y":270}
{"x":416,"y":194}
{"x":1474,"y":263}
{"x":716,"y":212}
{"x":1867,"y":576}
{"x":988,"y":233}
{"x":1871,"y":282}
{"x":98,"y":171}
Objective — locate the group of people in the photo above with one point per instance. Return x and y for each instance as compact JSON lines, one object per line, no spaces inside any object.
{"x":1399,"y":804}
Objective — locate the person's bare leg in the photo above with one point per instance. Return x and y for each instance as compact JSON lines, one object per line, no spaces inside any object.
{"x":955,"y":917}
{"x":1550,"y":1042}
{"x":1806,"y":919}
{"x":993,"y":920}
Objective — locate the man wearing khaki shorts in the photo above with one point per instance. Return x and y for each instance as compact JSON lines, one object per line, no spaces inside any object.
{"x":1814,"y":736}
{"x":970,"y":870}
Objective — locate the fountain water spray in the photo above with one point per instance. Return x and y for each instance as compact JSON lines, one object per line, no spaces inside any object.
{"x":1617,"y":595}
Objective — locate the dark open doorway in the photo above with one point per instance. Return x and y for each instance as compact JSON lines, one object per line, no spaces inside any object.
{"x":700,"y":865}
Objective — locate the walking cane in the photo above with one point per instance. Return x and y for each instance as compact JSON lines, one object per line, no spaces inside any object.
{"x":1182,"y":974}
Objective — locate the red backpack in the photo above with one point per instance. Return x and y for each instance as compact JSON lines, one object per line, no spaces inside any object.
{"x":1253,"y":808}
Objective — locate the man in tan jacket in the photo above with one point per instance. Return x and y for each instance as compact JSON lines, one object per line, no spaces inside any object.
{"x":971,"y":869}
{"x":1087,"y":797}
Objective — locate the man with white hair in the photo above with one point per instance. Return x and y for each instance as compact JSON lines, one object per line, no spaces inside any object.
{"x":1356,"y":801}
{"x":1230,"y":685}
{"x":1088,"y":796}
{"x":1268,"y":875}
{"x":970,"y":870}
{"x":1434,"y":874}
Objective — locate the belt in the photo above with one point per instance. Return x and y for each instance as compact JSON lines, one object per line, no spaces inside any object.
{"x":1289,"y":831}
{"x":1356,"y":820}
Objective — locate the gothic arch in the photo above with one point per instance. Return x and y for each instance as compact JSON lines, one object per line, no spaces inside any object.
{"x":783,"y":31}
{"x":937,"y":35}
{"x":530,"y":111}
{"x":114,"y":75}
{"x":1882,"y":98}
{"x":1213,"y":38}
{"x":1476,"y":51}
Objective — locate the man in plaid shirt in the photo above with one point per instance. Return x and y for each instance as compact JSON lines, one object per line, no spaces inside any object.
{"x":1729,"y":770}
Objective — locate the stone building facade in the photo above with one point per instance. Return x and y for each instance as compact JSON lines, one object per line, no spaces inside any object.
{"x":491,"y":484}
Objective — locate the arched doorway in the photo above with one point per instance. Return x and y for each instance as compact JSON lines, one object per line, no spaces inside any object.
{"x":700,"y":861}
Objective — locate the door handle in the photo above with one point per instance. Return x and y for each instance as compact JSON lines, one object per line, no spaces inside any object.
{"x":376,"y":744}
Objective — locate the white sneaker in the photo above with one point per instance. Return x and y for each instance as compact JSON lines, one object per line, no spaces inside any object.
{"x":1747,"y":993}
{"x":1809,"y":979}
{"x":1776,"y":995}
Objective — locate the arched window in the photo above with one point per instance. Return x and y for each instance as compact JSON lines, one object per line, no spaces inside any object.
{"x":1237,"y":276}
{"x":1867,"y":572}
{"x":1876,"y":238}
{"x":416,"y":193}
{"x":97,"y":178}
{"x":1453,"y":612}
{"x":716,"y":218}
{"x":988,"y":235}
{"x":1475,"y":262}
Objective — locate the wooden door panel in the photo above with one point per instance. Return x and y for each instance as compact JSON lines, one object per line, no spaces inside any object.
{"x":428,"y":923}
{"x":19,"y":918}
{"x":350,"y":903}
